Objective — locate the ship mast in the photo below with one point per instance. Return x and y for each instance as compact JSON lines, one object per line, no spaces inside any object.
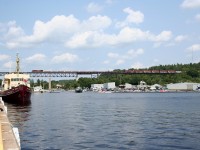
{"x":17,"y":64}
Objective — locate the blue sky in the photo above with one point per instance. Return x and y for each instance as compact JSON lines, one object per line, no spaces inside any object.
{"x":98,"y":35}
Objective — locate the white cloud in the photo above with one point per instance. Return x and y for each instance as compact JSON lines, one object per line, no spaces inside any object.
{"x":9,"y":64}
{"x":58,"y":30}
{"x":96,"y":23}
{"x":137,"y":65}
{"x":4,"y":57}
{"x":14,"y":31}
{"x":197,"y":17}
{"x":113,"y":55}
{"x":93,"y":8}
{"x":129,"y":55}
{"x":180,"y":38}
{"x":163,"y":36}
{"x":119,"y":62}
{"x":73,"y":33}
{"x":36,"y":58}
{"x":195,"y":47}
{"x":133,"y":53}
{"x":128,"y":34}
{"x":133,"y":17}
{"x":64,"y":58}
{"x":191,"y":4}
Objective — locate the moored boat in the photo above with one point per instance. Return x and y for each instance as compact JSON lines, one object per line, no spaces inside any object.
{"x":38,"y":89}
{"x":16,"y":87}
{"x":78,"y":90}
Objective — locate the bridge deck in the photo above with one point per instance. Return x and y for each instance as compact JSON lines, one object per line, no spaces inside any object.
{"x":42,"y":73}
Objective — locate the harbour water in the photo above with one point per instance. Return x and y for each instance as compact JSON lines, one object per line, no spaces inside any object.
{"x":141,"y":121}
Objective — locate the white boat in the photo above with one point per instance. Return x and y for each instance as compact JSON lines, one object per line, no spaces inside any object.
{"x":38,"y":89}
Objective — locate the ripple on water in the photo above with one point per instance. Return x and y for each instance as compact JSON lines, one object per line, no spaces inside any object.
{"x":109,"y":121}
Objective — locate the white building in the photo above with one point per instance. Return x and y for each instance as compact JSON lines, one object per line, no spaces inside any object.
{"x":142,"y":85}
{"x":183,"y":86}
{"x":128,"y":86}
{"x":96,"y":87}
{"x":109,"y":85}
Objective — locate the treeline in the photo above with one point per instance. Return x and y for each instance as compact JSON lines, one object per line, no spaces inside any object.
{"x":189,"y":73}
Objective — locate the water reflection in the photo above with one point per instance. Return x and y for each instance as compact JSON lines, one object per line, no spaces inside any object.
{"x":18,"y":114}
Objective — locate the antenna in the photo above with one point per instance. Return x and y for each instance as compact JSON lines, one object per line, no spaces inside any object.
{"x":17,"y":64}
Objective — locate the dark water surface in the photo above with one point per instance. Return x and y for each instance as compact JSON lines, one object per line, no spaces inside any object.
{"x":93,"y":121}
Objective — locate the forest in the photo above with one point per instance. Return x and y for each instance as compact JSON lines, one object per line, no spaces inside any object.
{"x":189,"y":73}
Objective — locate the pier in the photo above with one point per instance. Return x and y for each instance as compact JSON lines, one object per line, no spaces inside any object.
{"x":8,"y":140}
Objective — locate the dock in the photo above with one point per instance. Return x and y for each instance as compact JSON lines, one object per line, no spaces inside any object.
{"x":9,"y":136}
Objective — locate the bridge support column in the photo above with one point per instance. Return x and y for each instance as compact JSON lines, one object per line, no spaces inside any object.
{"x":49,"y":83}
{"x":77,"y":78}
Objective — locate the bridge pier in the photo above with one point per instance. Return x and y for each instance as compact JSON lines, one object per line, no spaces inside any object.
{"x":77,"y":77}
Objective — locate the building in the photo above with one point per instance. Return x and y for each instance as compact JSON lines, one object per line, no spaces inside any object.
{"x":155,"y":87}
{"x":109,"y":85}
{"x":96,"y":87}
{"x":142,"y":85}
{"x":128,"y":86}
{"x":183,"y":86}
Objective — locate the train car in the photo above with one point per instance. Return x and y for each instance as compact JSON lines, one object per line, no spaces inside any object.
{"x":163,"y":71}
{"x":155,"y":71}
{"x":147,"y":71}
{"x":171,"y":71}
{"x":37,"y":70}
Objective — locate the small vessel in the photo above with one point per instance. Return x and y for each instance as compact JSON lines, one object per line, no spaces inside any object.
{"x":78,"y":90}
{"x":16,"y":87}
{"x":54,"y":91}
{"x":38,"y":89}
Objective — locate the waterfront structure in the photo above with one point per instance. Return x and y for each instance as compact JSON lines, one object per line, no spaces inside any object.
{"x":156,"y":87}
{"x":16,"y":87}
{"x":9,"y":135}
{"x":142,"y":85}
{"x":109,"y":85}
{"x":128,"y":86}
{"x":186,"y":86}
{"x":96,"y":87}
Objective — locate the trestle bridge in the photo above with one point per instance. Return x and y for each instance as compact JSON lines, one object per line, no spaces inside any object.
{"x":42,"y":73}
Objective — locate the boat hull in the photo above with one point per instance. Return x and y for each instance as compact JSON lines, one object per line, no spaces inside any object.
{"x":17,"y":95}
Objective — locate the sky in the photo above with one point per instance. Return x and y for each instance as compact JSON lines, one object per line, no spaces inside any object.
{"x":98,"y":35}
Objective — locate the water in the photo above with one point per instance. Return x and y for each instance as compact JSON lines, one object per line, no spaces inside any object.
{"x":94,"y":121}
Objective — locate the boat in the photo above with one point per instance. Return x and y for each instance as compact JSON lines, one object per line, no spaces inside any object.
{"x":16,"y":87}
{"x":38,"y":89}
{"x":78,"y":90}
{"x":54,"y":91}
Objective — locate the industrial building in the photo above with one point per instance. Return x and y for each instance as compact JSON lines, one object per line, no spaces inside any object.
{"x":109,"y":85}
{"x":96,"y":87}
{"x":183,"y":86}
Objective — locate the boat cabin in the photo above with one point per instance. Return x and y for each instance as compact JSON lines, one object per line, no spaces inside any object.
{"x":13,"y":80}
